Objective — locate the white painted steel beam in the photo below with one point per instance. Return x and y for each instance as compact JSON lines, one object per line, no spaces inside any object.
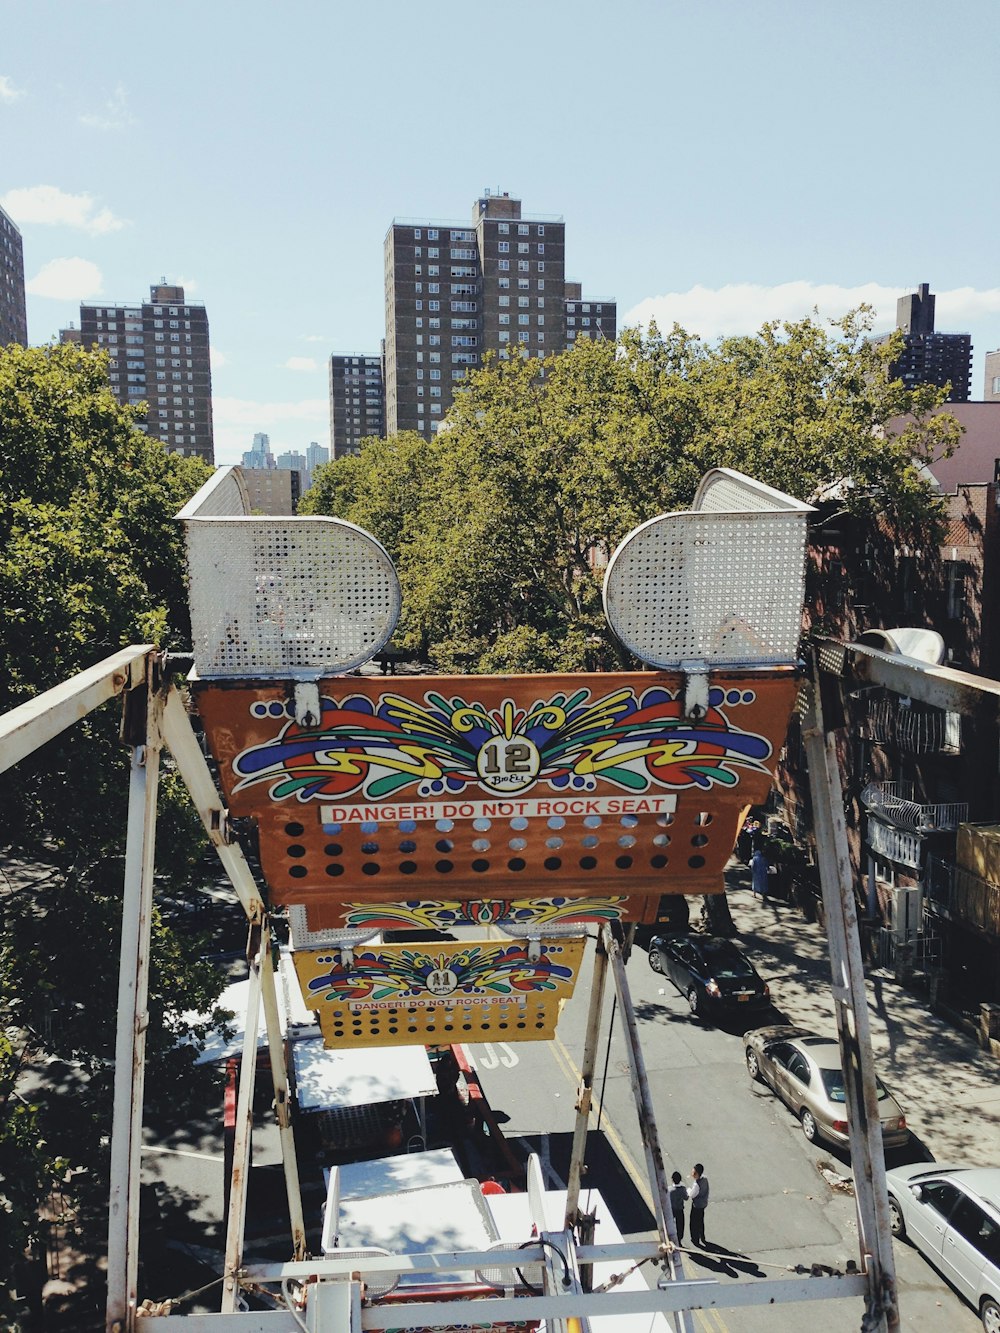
{"x":31,"y":724}
{"x":656,"y":1171}
{"x":193,"y":767}
{"x":853,"y":1028}
{"x":239,"y":1182}
{"x":282,"y":1101}
{"x":133,"y":1019}
{"x":675,"y":1296}
{"x":941,"y":686}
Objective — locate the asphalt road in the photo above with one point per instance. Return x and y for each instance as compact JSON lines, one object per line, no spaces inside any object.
{"x":771,"y":1204}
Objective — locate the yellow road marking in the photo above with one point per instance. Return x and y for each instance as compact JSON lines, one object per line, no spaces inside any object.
{"x":709,"y":1319}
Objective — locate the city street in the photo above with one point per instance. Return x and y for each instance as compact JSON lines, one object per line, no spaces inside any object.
{"x":771,"y":1204}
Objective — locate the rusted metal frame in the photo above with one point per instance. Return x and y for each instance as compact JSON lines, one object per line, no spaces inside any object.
{"x":240,"y":1180}
{"x":584,"y":1095}
{"x":282,"y":1103}
{"x":31,"y":724}
{"x":665,"y":1225}
{"x":193,"y":768}
{"x":851,"y":1011}
{"x":133,"y":1017}
{"x":940,"y":686}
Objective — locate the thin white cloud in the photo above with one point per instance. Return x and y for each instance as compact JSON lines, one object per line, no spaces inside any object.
{"x":301,"y":363}
{"x":248,"y":411}
{"x":217,"y":358}
{"x":315,"y":338}
{"x":190,"y":285}
{"x":49,"y":206}
{"x":741,"y":308}
{"x":8,"y":91}
{"x":66,"y":280}
{"x":115,"y":114}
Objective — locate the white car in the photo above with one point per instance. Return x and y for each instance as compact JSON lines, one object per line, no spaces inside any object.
{"x":952,"y":1215}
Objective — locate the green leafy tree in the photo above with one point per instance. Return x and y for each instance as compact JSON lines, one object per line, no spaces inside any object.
{"x":91,"y":559}
{"x":506,"y":518}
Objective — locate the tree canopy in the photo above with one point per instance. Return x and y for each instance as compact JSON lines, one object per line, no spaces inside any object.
{"x":501,"y":525}
{"x":91,"y":559}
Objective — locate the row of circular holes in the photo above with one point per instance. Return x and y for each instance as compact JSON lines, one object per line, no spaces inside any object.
{"x":341,"y":1029}
{"x":516,"y":863}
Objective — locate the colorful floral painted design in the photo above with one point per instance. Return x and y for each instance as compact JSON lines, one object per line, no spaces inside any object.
{"x":629,"y":742}
{"x":429,"y":915}
{"x":409,"y":974}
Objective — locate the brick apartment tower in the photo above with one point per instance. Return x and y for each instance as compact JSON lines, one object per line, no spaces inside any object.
{"x":13,"y":311}
{"x":357,"y":401}
{"x":159,"y":354}
{"x":453,"y":291}
{"x":929,"y":357}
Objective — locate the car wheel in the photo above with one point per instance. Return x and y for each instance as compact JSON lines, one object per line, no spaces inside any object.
{"x":809,"y":1127}
{"x":694,"y":1000}
{"x":896,"y":1224}
{"x":989,"y":1313}
{"x":655,"y":961}
{"x":753,"y":1064}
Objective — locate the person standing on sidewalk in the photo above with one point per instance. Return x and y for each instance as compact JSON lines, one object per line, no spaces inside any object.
{"x":758,"y":874}
{"x":678,"y":1202}
{"x":698,"y":1194}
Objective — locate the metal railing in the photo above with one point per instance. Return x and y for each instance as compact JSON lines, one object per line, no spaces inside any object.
{"x":889,"y":721}
{"x":895,"y":802}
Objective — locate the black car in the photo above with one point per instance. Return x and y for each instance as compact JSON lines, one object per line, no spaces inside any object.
{"x":710,"y":971}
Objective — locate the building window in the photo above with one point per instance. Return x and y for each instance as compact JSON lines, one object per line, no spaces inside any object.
{"x":504,"y":247}
{"x":504,"y":336}
{"x":522,"y":266}
{"x":435,"y":374}
{"x":503,"y":265}
{"x":523,"y":249}
{"x":504,"y":283}
{"x":433,"y":305}
{"x":524,"y":335}
{"x":505,"y":319}
{"x":503,"y":300}
{"x":585,"y":309}
{"x":503,"y":229}
{"x":523,"y":302}
{"x":585,"y":321}
{"x":434,"y":287}
{"x":954,"y":571}
{"x":417,"y":233}
{"x":996,"y":384}
{"x":541,"y":265}
{"x":434,"y":323}
{"x":434,"y":340}
{"x":541,"y":249}
{"x":524,"y":319}
{"x":541,"y":231}
{"x":540,"y":319}
{"x":432,"y":234}
{"x":436,"y":407}
{"x":435,"y":391}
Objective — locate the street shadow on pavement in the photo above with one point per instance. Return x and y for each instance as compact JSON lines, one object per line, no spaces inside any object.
{"x":729,"y":1263}
{"x":605,"y":1172}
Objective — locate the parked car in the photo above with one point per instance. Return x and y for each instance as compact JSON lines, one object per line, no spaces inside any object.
{"x":952,"y":1215}
{"x":710,"y":971}
{"x":805,"y":1071}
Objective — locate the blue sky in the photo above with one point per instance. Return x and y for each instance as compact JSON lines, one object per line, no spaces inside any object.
{"x":720,"y":163}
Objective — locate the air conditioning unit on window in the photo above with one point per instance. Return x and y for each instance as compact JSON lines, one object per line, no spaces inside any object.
{"x":906,"y":912}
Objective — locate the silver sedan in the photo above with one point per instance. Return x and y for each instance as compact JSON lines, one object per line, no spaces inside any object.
{"x":805,"y":1071}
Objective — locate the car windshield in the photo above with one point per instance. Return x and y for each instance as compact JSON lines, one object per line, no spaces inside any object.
{"x":833,"y":1082}
{"x":725,"y":962}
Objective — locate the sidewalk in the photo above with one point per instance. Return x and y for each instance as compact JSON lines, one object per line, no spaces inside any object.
{"x":948,"y":1087}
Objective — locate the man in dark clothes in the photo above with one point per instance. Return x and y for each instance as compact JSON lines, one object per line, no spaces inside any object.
{"x":698,"y":1194}
{"x":678,"y":1202}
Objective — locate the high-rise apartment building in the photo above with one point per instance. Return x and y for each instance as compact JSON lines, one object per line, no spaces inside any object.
{"x":929,"y":357}
{"x":315,"y":456}
{"x":991,"y":386}
{"x":259,"y":456}
{"x":357,"y":401}
{"x":13,"y":310}
{"x":159,"y":354}
{"x":452,"y":291}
